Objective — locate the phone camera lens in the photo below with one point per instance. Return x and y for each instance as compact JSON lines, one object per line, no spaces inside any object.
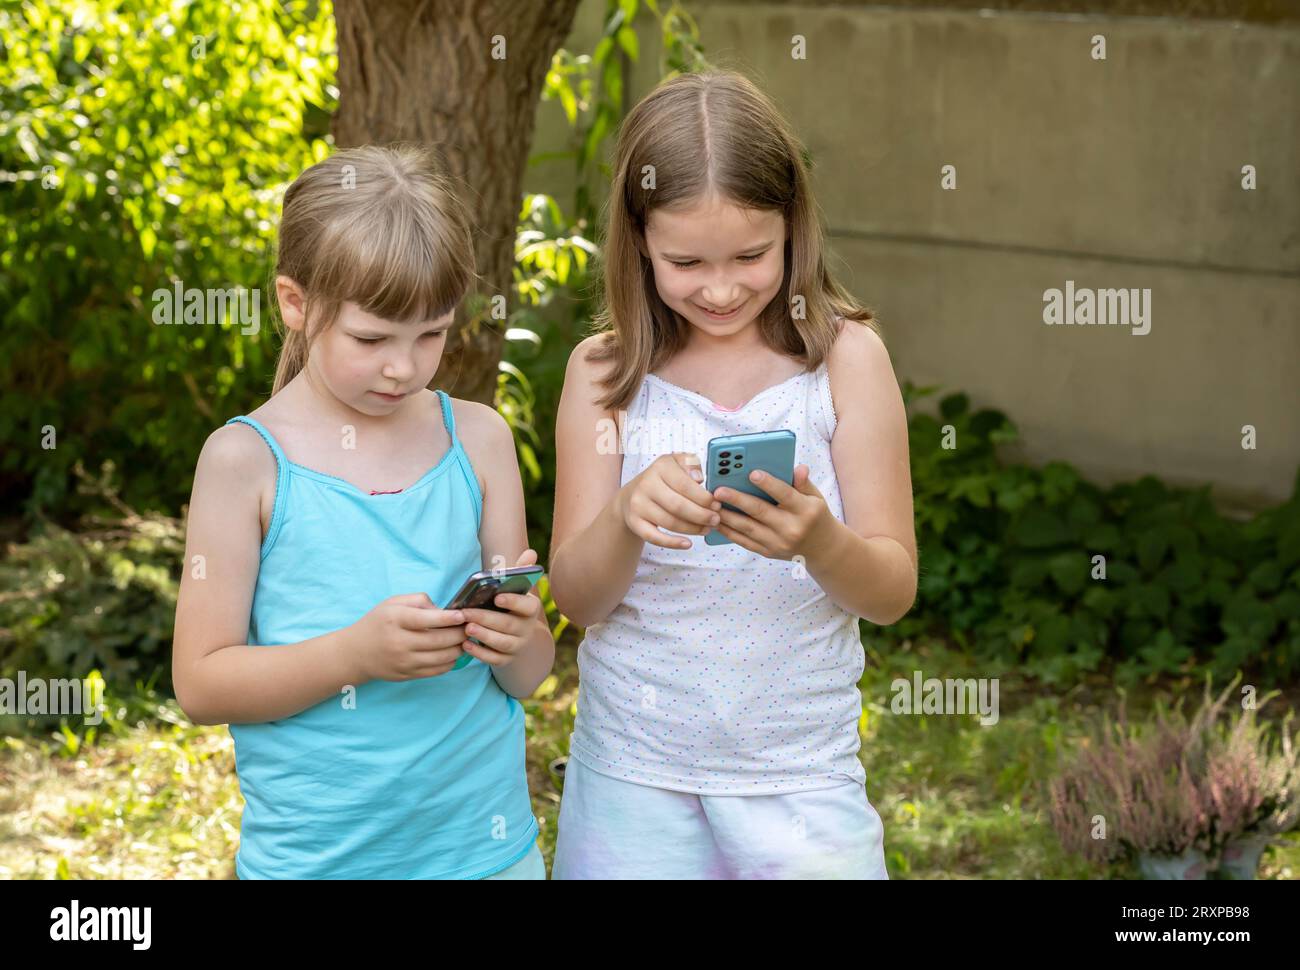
{"x":724,"y":471}
{"x":724,"y":454}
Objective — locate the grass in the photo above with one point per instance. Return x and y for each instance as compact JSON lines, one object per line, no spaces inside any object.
{"x":156,"y":797}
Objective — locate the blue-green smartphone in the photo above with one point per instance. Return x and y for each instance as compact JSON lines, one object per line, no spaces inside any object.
{"x":733,"y":457}
{"x":481,"y":589}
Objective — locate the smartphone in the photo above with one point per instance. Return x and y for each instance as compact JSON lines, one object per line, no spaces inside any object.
{"x":732,"y":457}
{"x":479,"y":591}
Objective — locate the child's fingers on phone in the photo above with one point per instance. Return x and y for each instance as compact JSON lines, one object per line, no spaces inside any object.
{"x":645,"y":529}
{"x":665,"y":519}
{"x":674,"y":503}
{"x":755,"y":508}
{"x":749,"y":526}
{"x":494,"y":620}
{"x":425,"y":658}
{"x":520,"y":604}
{"x":503,"y":641}
{"x":429,"y":618}
{"x":439,"y":638}
{"x":493,"y":658}
{"x":742,"y":539}
{"x":680,"y":482}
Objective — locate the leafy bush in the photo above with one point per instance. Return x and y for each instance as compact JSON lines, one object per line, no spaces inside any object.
{"x":102,"y":598}
{"x":142,"y":144}
{"x":1007,"y":563}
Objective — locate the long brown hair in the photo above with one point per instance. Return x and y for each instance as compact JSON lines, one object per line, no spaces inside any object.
{"x":696,"y":133}
{"x":382,"y":227}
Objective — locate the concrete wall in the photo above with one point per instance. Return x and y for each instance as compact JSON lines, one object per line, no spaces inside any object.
{"x":1115,"y":173}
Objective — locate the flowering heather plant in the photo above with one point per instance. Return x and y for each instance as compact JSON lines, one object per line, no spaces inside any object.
{"x":1176,"y":783}
{"x":1250,"y":782}
{"x":1131,"y":788}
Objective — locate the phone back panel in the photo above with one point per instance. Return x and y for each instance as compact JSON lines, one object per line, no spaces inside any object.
{"x":732,"y":457}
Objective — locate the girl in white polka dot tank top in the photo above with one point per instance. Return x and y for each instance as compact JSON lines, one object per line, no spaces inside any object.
{"x":718,"y":707}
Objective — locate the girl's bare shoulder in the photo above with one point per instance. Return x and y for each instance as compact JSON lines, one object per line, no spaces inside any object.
{"x":858,"y":352}
{"x":238,"y":465}
{"x":590,"y":365}
{"x":485,"y":435}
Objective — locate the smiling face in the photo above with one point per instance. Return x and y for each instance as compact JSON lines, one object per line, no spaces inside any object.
{"x":366,"y":362}
{"x":716,"y":263}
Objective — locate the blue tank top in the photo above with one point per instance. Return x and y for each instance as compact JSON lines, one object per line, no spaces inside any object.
{"x":403,"y":779}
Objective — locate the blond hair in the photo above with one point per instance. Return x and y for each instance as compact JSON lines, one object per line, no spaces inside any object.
{"x":697,"y":133}
{"x":381,"y":227}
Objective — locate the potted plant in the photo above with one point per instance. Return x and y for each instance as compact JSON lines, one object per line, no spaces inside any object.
{"x":1184,"y":796}
{"x":1131,"y":791}
{"x":1250,"y":783}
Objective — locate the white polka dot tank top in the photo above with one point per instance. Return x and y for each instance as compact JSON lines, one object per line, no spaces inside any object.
{"x":722,"y":671}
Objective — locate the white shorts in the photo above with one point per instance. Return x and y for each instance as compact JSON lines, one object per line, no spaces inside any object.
{"x":613,"y":829}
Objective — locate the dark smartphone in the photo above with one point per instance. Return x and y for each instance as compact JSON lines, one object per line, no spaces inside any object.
{"x":481,"y":589}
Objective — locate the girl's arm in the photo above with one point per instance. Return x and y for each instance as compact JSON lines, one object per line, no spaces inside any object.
{"x":503,"y":535}
{"x":593,"y":554}
{"x":868,"y":564}
{"x":218,"y":678}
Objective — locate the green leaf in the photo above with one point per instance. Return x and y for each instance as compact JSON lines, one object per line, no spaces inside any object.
{"x":1038,"y":528}
{"x":954,"y":406}
{"x":627,"y":40}
{"x":1266,"y":577}
{"x":1151,"y":546}
{"x":1070,"y":571}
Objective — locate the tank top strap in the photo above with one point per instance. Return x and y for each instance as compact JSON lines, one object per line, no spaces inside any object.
{"x":266,"y":436}
{"x":448,"y":418}
{"x":823,"y":414}
{"x":461,"y":456}
{"x":281,"y":479}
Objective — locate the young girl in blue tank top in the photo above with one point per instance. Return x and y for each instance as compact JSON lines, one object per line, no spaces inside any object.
{"x":718,"y":707}
{"x":328,"y":529}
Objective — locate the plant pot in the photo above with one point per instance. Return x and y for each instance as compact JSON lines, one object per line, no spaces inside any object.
{"x":556,"y":771}
{"x":1192,"y":864}
{"x":1241,"y":855}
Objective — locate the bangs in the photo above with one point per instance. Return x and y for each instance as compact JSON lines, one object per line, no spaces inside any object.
{"x":401,"y":261}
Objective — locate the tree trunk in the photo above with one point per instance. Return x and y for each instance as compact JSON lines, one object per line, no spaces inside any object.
{"x":425,"y":70}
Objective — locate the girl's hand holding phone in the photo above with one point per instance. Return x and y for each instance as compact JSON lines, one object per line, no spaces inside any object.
{"x":668,"y":496}
{"x":407,"y":637}
{"x":501,"y":635}
{"x":798,"y":522}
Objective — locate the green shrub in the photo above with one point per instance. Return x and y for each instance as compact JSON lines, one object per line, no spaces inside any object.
{"x":100,"y":598}
{"x":1007,"y":563}
{"x":142,"y":144}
